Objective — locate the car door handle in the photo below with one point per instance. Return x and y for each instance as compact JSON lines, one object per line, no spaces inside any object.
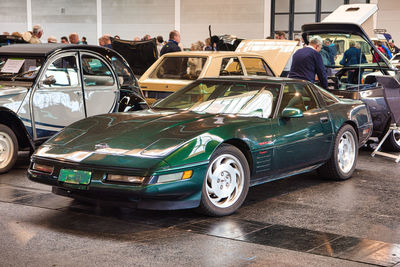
{"x":324,"y":119}
{"x":78,"y":93}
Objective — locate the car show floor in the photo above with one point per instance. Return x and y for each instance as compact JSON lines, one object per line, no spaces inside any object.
{"x":299,"y":221}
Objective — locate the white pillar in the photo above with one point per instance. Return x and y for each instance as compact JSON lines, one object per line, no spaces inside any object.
{"x":267,"y":18}
{"x":29,"y":14}
{"x":99,"y":19}
{"x":177,"y":23}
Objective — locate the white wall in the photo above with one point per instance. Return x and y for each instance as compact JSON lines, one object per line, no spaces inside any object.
{"x":130,"y":18}
{"x":12,"y":16}
{"x":245,"y":19}
{"x":62,"y":17}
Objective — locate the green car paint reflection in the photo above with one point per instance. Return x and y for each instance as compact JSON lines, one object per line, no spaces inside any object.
{"x":229,"y":134}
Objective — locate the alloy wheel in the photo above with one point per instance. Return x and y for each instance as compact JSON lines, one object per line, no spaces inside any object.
{"x":225,"y":180}
{"x":346,"y":152}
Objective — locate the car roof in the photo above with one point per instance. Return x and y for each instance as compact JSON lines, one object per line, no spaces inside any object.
{"x":43,"y":50}
{"x":210,"y":54}
{"x":268,"y":79}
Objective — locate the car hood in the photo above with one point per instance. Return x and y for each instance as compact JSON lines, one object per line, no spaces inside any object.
{"x":139,"y":54}
{"x":275,"y":52}
{"x":143,"y":138}
{"x":11,"y":97}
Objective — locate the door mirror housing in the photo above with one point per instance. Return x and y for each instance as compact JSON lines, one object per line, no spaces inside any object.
{"x":49,"y":80}
{"x":292,"y":113}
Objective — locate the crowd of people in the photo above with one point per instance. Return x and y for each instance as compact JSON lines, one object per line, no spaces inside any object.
{"x":172,"y":45}
{"x":317,"y":59}
{"x":314,"y":60}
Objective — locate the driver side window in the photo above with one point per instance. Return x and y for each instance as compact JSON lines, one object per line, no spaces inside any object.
{"x":297,"y":96}
{"x":62,"y":72}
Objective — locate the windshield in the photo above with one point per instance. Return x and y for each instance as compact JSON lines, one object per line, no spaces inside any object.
{"x":19,"y":68}
{"x":245,"y":99}
{"x":179,"y":68}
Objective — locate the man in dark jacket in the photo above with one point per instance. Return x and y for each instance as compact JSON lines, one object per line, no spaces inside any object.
{"x":172,"y":45}
{"x":307,"y":62}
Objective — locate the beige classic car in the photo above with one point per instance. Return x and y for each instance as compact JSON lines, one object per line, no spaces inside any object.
{"x":175,"y":70}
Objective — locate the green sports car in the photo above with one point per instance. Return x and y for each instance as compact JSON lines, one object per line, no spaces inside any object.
{"x":203,"y":146}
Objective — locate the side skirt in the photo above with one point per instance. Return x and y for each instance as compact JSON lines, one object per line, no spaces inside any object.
{"x":284,"y":175}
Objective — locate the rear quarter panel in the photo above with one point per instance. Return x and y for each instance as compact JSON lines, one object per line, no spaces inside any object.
{"x":354,"y":113}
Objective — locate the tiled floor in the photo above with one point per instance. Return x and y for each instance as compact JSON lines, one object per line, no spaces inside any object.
{"x":293,"y":215}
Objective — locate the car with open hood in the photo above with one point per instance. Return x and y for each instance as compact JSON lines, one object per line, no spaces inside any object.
{"x":356,"y":80}
{"x":204,"y":145}
{"x":45,"y":87}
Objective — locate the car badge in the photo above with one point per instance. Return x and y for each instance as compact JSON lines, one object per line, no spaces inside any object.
{"x":101,"y":146}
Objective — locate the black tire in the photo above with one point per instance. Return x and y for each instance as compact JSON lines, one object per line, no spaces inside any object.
{"x":209,"y":208}
{"x":390,"y":143}
{"x":8,"y":141}
{"x":331,"y":169}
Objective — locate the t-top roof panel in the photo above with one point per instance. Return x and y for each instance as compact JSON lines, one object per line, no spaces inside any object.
{"x":353,"y":13}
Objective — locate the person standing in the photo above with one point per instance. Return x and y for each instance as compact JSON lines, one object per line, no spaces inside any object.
{"x":173,"y":43}
{"x":74,"y":38}
{"x":307,"y":62}
{"x":280,"y":35}
{"x":394,"y":48}
{"x":64,"y":40}
{"x":33,"y":37}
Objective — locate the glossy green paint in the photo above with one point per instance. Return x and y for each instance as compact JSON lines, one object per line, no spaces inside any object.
{"x":153,"y":142}
{"x":292,"y":113}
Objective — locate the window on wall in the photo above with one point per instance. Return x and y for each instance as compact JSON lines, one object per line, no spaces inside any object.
{"x":289,"y":15}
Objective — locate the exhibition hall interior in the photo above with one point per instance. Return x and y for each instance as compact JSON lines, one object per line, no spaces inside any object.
{"x":212,"y":133}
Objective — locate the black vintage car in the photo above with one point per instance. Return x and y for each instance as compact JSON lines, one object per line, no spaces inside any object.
{"x":357,"y":80}
{"x":45,"y":87}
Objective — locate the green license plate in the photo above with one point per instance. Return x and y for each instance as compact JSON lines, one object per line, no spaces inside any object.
{"x":74,"y":176}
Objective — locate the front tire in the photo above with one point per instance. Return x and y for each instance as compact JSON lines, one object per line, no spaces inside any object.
{"x":343,"y":160}
{"x":226,"y":183}
{"x":8,"y":148}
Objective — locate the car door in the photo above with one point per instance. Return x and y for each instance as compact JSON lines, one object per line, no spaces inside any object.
{"x":58,"y":99}
{"x":304,"y":141}
{"x":99,"y":84}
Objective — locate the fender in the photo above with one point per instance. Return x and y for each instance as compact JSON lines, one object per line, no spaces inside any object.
{"x":11,"y":119}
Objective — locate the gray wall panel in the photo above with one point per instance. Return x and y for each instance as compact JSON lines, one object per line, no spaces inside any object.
{"x":13,"y":16}
{"x":241,"y":18}
{"x":134,"y":18}
{"x":62,"y":17}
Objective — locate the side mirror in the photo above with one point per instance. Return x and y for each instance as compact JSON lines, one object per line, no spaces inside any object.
{"x":292,"y":113}
{"x":49,"y":80}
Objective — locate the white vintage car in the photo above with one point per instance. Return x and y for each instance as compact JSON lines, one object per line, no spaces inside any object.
{"x":45,"y":87}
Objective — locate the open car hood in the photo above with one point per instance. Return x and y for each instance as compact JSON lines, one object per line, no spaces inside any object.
{"x":335,"y":27}
{"x":139,"y":54}
{"x":275,"y":52}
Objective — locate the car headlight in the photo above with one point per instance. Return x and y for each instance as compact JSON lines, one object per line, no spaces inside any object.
{"x":174,"y":176}
{"x":125,"y":178}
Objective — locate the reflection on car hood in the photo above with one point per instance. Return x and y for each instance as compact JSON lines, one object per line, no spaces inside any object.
{"x":11,"y":97}
{"x":148,"y":133}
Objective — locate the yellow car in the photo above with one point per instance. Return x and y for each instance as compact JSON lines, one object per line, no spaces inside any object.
{"x":172,"y":71}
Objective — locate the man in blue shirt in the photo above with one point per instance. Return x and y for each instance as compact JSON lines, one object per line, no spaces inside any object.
{"x":172,"y":45}
{"x":307,"y":62}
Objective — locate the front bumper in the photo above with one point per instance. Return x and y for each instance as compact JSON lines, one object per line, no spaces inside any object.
{"x":182,"y":194}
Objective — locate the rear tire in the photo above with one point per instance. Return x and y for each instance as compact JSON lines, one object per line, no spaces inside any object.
{"x":343,"y":160}
{"x":8,"y":148}
{"x":226,"y":183}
